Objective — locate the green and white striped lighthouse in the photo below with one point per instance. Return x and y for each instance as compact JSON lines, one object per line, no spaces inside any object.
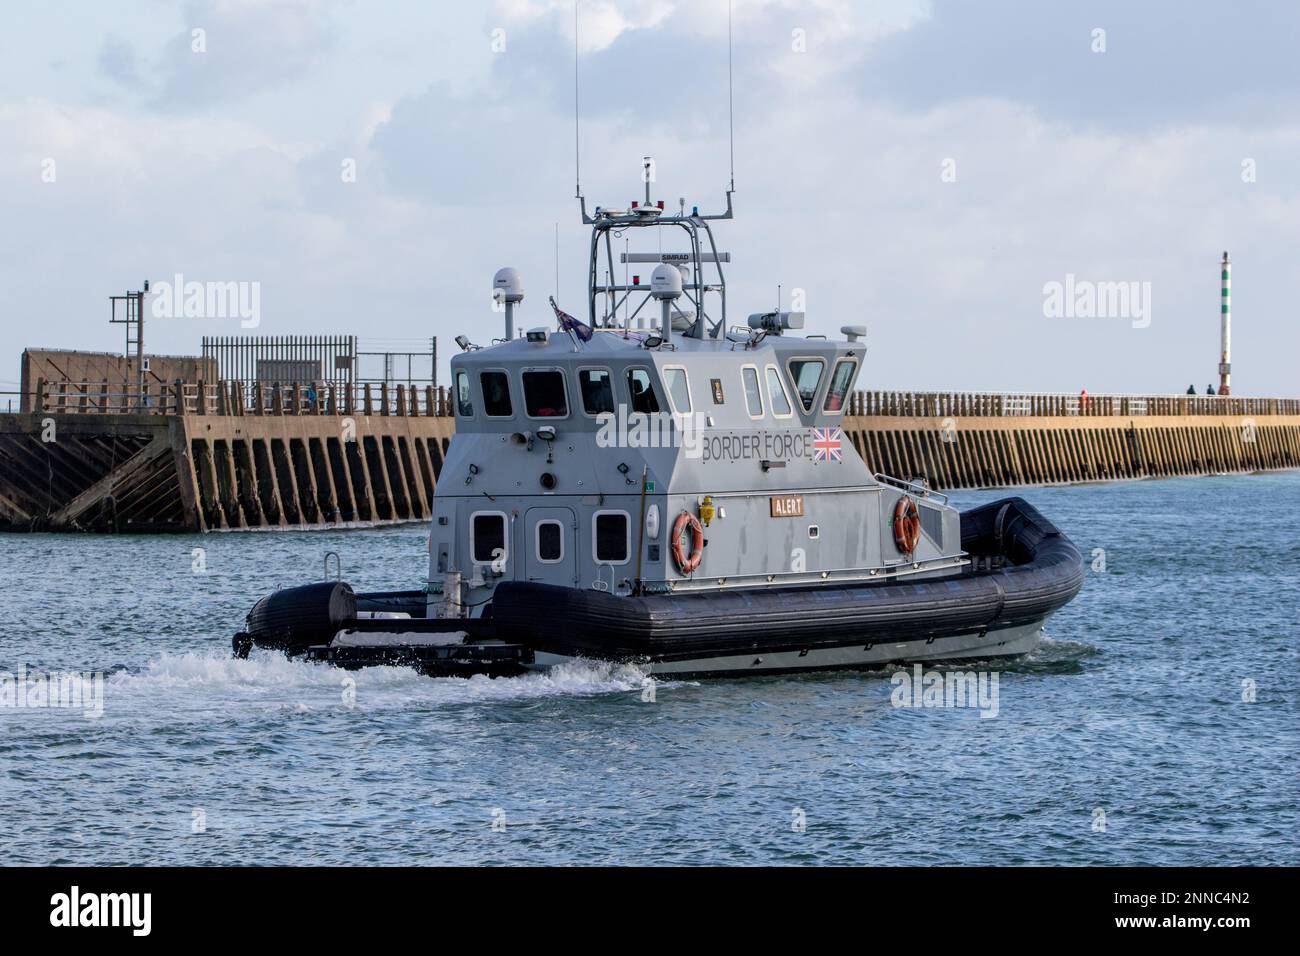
{"x":1225,"y":317}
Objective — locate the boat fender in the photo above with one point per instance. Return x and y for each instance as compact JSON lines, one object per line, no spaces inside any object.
{"x":687,"y":564}
{"x":907,"y":525}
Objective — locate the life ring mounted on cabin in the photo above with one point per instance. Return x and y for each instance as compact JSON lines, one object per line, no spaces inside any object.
{"x":907,"y":525}
{"x":688,"y":563}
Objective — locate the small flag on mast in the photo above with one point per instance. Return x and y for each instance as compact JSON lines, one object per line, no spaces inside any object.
{"x":571,"y":325}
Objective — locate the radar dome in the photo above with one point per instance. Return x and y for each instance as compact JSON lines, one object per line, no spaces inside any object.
{"x":665,"y":282}
{"x":508,"y":285}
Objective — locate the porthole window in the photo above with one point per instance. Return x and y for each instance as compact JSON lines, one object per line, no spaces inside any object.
{"x":807,"y":376}
{"x":838,"y":390}
{"x":753,"y":391}
{"x":776,"y":394}
{"x":611,"y":537}
{"x":641,"y":392}
{"x":496,"y":394}
{"x":544,"y":394}
{"x":597,"y":388}
{"x":550,"y":541}
{"x":488,"y":538}
{"x":464,"y":401}
{"x":679,"y":389}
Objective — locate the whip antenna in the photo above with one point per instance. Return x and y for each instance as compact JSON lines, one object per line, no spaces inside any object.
{"x":731,"y":109}
{"x":577,"y":168}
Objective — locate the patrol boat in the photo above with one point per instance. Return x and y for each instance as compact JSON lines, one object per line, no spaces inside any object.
{"x":659,"y":486}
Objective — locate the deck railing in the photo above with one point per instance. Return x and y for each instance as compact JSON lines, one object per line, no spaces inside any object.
{"x":251,"y":398}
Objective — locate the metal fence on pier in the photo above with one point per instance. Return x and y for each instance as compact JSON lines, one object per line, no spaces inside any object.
{"x":1057,"y":404}
{"x":252,"y":397}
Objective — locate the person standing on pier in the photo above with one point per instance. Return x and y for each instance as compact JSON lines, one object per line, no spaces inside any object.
{"x":1209,"y":390}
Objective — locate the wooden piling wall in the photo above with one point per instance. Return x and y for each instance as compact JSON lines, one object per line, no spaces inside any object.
{"x":985,"y":452}
{"x":156,"y":474}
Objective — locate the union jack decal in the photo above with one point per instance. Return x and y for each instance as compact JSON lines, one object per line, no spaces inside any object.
{"x":826,"y":445}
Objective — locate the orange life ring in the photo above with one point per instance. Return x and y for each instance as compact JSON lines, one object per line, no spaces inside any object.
{"x":907,"y":525}
{"x":687,"y":564}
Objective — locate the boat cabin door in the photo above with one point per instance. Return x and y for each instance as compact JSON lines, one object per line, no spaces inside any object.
{"x":550,"y":546}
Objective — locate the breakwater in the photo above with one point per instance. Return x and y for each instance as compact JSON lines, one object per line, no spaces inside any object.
{"x":964,"y":440}
{"x":234,"y":455}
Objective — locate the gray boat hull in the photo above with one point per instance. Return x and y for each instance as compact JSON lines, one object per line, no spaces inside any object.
{"x":1023,"y":569}
{"x":1008,"y":642}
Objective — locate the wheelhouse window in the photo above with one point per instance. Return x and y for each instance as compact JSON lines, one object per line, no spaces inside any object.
{"x":807,"y":375}
{"x":776,"y":394}
{"x":488,"y":537}
{"x":679,"y":389}
{"x":641,"y":392}
{"x":550,"y":541}
{"x":496,"y":394}
{"x":753,"y":391}
{"x":837,"y":392}
{"x":544,"y":394}
{"x":597,"y":387}
{"x":464,"y":402}
{"x":612,"y":534}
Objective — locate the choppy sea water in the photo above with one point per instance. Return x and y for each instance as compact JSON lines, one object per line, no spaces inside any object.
{"x":1125,"y":739}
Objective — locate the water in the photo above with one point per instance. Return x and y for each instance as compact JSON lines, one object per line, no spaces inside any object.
{"x":1133,"y":707}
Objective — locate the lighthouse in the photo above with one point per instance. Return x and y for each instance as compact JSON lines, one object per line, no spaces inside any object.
{"x":1225,"y":334}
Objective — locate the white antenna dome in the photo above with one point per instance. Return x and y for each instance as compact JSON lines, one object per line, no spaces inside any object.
{"x":666,"y":281}
{"x":507,"y":285}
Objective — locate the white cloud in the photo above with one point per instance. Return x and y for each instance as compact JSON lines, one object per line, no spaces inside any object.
{"x":839,"y":193}
{"x":600,"y":22}
{"x":225,"y":50}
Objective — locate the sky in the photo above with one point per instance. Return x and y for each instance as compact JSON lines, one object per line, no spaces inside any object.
{"x":927,"y":169}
